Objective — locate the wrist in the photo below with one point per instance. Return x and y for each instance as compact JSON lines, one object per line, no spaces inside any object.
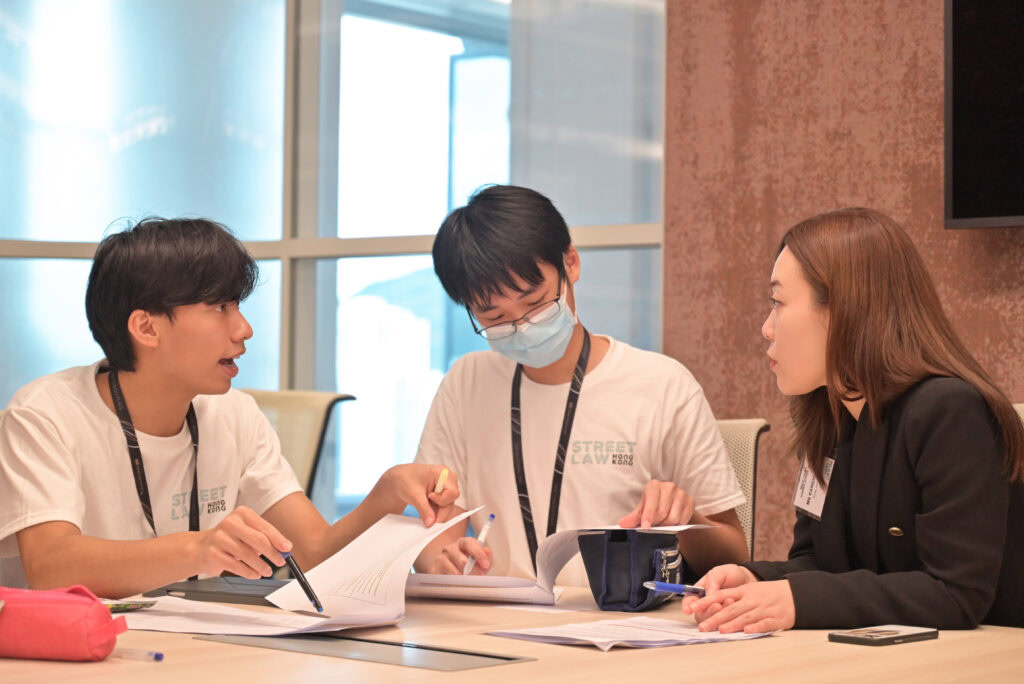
{"x":192,"y":553}
{"x":748,"y":575}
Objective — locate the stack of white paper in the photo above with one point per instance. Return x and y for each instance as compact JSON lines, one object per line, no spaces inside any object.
{"x":552,"y":555}
{"x":638,"y":632}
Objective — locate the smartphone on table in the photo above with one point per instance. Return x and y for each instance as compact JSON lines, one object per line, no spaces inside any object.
{"x":883,"y":635}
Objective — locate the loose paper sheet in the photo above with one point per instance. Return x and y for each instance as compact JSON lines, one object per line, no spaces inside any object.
{"x":638,"y":632}
{"x":172,"y":614}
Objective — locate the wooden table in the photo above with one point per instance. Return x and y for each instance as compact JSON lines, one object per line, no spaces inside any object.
{"x":988,"y":654}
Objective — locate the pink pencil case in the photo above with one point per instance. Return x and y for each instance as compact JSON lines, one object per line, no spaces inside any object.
{"x":61,"y":624}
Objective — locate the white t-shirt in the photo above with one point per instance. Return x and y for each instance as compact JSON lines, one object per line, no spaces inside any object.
{"x":63,"y":456}
{"x":641,"y":417}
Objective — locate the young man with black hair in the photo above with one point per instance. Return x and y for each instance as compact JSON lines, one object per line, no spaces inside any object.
{"x":637,"y":441}
{"x":146,"y":468}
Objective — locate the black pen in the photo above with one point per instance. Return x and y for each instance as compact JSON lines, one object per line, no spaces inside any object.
{"x":303,"y":582}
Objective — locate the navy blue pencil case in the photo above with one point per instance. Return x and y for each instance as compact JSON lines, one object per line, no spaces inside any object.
{"x":618,"y":562}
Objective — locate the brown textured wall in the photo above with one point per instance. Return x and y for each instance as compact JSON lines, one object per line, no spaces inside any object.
{"x":776,"y":111}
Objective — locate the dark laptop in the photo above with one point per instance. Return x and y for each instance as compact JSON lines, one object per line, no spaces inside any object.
{"x":223,"y":590}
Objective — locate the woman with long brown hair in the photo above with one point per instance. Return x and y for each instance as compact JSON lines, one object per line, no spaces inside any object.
{"x":910,"y":506}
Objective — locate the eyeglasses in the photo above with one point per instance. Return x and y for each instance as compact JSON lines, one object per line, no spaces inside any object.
{"x":544,"y":311}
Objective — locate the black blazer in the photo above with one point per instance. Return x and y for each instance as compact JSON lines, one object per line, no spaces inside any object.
{"x":919,"y":526}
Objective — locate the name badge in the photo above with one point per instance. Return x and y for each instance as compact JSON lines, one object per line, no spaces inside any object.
{"x":810,"y":494}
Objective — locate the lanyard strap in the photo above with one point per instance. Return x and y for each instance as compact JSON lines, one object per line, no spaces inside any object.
{"x":563,"y":443}
{"x":135,"y":455}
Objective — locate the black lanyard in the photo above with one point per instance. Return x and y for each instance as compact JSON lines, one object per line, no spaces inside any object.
{"x":135,"y":455}
{"x":563,"y":443}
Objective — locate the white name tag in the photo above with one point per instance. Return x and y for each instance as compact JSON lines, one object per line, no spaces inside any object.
{"x":810,"y":495}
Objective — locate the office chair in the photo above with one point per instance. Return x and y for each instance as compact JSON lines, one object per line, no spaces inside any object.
{"x":740,"y":437}
{"x":300,"y":420}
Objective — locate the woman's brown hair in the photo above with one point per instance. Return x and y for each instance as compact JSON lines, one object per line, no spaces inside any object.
{"x":887,"y":330}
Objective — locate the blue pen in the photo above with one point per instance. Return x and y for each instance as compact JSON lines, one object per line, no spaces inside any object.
{"x":685,"y":589}
{"x":137,"y":654}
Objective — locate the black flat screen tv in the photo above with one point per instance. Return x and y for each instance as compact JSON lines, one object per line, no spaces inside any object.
{"x":984,"y":113}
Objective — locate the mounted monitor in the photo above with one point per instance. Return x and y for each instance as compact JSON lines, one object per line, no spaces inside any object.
{"x":984,"y":113}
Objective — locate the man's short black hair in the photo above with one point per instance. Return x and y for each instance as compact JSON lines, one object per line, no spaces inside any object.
{"x":502,"y":232}
{"x":159,"y":264}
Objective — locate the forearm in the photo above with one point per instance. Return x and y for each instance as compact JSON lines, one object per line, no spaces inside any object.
{"x":768,"y":571}
{"x":802,"y":556}
{"x":113,"y":569}
{"x":703,"y":549}
{"x":339,"y":535}
{"x":399,"y":486}
{"x":324,"y":543}
{"x":860,"y":598}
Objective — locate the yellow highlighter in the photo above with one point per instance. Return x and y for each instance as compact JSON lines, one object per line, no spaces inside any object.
{"x":439,"y":487}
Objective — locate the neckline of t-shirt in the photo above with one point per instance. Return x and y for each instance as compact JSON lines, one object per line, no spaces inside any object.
{"x":96,"y":399}
{"x":596,"y":373}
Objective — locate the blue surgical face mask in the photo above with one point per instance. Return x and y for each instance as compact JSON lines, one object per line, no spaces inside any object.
{"x":540,"y":344}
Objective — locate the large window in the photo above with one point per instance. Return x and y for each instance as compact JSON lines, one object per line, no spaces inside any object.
{"x":114,"y":109}
{"x":419,"y":131}
{"x":333,"y":137}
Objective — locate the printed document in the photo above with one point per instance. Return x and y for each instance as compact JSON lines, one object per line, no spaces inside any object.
{"x":552,"y":555}
{"x":638,"y":632}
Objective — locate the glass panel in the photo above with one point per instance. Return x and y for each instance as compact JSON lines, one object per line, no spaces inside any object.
{"x":43,"y":328}
{"x":479,"y":129}
{"x":586,"y":106}
{"x":259,"y":368}
{"x":619,"y":294}
{"x":439,"y":97}
{"x":111,"y":109}
{"x":398,"y":110}
{"x":398,"y":333}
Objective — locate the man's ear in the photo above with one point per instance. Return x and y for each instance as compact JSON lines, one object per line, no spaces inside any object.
{"x":142,"y":329}
{"x":572,"y":264}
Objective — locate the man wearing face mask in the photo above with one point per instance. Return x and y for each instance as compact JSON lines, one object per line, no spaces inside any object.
{"x":556,"y":427}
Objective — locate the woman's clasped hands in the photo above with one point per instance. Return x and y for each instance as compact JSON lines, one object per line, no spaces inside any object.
{"x":735,"y":600}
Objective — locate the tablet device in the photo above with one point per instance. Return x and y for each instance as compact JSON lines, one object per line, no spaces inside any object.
{"x":222,"y":590}
{"x":883,"y":635}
